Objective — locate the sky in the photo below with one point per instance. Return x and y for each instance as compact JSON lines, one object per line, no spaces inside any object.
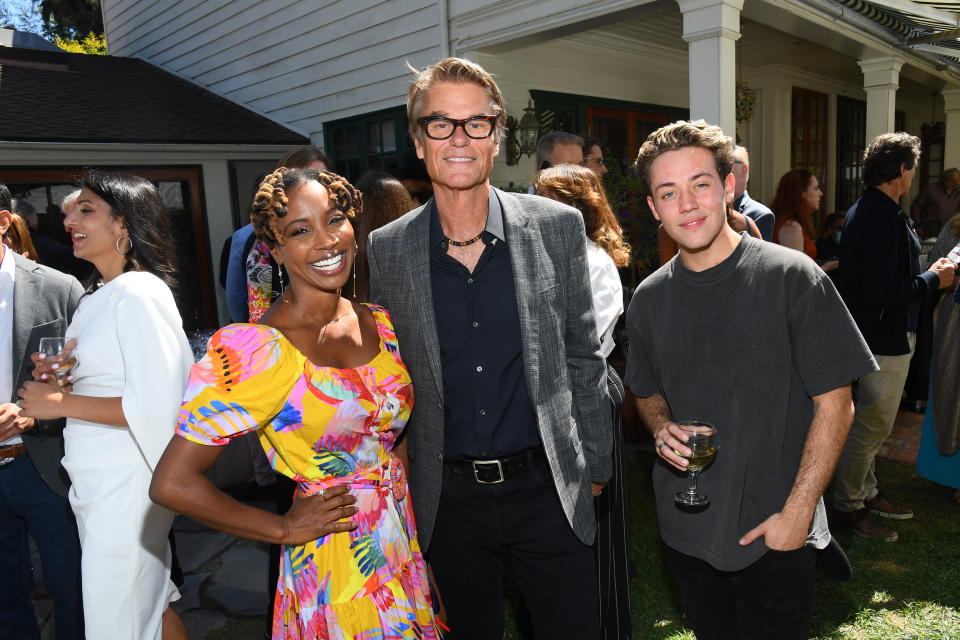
{"x":24,"y":15}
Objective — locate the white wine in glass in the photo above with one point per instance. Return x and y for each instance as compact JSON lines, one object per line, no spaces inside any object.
{"x":53,"y":347}
{"x":702,"y":443}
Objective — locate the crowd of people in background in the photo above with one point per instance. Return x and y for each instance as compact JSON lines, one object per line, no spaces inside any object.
{"x":419,"y":366}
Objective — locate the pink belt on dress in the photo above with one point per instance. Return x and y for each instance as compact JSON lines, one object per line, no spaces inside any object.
{"x":391,"y":476}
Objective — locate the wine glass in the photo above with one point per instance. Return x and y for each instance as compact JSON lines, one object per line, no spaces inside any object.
{"x":53,"y":347}
{"x":702,"y":443}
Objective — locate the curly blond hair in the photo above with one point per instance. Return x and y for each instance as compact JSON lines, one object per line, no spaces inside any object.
{"x":581,"y":188}
{"x":270,"y":202}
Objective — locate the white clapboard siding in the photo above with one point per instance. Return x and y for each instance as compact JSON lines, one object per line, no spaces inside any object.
{"x":300,"y":62}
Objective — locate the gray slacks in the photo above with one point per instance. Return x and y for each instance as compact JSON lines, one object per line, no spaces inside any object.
{"x":877,"y":404}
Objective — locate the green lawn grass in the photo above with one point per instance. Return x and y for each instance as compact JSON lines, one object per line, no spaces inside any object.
{"x":906,"y":590}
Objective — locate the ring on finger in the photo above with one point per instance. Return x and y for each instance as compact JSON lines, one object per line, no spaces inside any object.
{"x":661,"y":445}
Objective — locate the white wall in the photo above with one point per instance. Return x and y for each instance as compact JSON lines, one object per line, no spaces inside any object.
{"x":303,"y":62}
{"x":571,"y":65}
{"x":767,"y":134}
{"x":299,"y":62}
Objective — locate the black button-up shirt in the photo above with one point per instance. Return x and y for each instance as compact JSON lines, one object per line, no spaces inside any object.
{"x":487,"y":410}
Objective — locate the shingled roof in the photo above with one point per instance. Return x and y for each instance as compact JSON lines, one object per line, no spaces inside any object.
{"x":70,"y":97}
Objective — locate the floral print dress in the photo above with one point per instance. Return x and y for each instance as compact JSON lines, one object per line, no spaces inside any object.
{"x":323,"y":426}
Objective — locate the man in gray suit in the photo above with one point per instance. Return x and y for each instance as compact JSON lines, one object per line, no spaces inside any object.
{"x":35,"y":302}
{"x":510,"y":434}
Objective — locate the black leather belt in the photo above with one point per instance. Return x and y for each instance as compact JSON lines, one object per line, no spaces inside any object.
{"x":500,"y":469}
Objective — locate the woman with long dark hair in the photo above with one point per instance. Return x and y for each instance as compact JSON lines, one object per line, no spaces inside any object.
{"x":797,"y":198}
{"x":321,"y":381}
{"x":581,"y":188}
{"x":384,"y":200}
{"x":132,"y":365}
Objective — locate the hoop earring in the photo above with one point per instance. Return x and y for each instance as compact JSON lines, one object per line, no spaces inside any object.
{"x":129,"y":246}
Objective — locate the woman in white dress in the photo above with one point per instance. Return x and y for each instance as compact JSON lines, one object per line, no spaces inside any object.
{"x":133,"y":363}
{"x":582,"y":189}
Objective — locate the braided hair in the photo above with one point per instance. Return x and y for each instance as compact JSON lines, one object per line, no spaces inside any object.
{"x":270,"y":202}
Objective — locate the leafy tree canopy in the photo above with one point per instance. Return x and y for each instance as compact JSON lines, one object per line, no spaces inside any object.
{"x":71,"y":19}
{"x":91,"y":43}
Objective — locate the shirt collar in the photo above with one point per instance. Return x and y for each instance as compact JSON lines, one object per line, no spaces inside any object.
{"x":739,"y":200}
{"x":494,"y":226}
{"x":8,"y":267}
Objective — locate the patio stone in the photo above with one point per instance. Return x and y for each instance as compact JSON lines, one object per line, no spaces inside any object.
{"x":200,"y":622}
{"x":196,"y":549}
{"x":190,"y":593}
{"x":240,"y":584}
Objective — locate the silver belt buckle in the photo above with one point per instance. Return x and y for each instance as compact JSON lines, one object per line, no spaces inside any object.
{"x":476,"y":471}
{"x":5,"y":461}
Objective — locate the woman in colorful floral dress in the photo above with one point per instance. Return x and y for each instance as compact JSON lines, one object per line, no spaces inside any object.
{"x":321,"y":378}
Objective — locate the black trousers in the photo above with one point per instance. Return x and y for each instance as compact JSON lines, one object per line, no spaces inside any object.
{"x":772,"y":598}
{"x":521,"y":519}
{"x":611,"y":550}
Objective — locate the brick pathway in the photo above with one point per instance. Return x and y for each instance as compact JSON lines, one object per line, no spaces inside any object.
{"x":904,"y":440}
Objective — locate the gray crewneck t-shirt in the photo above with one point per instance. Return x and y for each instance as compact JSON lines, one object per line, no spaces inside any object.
{"x":743,"y":345}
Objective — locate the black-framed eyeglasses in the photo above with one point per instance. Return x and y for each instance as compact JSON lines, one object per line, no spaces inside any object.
{"x":441,"y":127}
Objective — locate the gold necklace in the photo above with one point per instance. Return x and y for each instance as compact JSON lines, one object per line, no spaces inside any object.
{"x":323,"y":329}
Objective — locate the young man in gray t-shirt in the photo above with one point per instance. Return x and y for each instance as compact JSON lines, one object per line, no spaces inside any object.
{"x":730,"y":308}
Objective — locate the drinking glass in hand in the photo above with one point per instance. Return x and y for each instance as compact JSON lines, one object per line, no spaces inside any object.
{"x":53,"y":347}
{"x":702,"y":443}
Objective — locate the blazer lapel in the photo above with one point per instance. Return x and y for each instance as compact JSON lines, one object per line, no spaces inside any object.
{"x":27,"y":292}
{"x":417,"y":241}
{"x":523,"y":245}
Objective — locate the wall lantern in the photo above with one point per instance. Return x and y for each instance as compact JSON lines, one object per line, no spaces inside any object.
{"x":528,"y":130}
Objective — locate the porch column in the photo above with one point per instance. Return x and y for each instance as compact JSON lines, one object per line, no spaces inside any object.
{"x":770,"y":131}
{"x":881,"y":79}
{"x":712,"y":28}
{"x":951,"y":138}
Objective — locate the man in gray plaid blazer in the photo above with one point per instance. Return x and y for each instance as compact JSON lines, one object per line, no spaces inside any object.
{"x":35,"y":302}
{"x":510,"y":434}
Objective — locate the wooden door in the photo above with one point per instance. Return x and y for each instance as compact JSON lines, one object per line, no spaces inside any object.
{"x":623,"y":130}
{"x":180,"y":190}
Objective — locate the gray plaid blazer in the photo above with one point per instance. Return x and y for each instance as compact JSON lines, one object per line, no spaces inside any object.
{"x":43,"y":304}
{"x":565,"y":373}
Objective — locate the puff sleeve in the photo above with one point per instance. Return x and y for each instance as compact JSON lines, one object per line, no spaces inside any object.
{"x":241,"y":383}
